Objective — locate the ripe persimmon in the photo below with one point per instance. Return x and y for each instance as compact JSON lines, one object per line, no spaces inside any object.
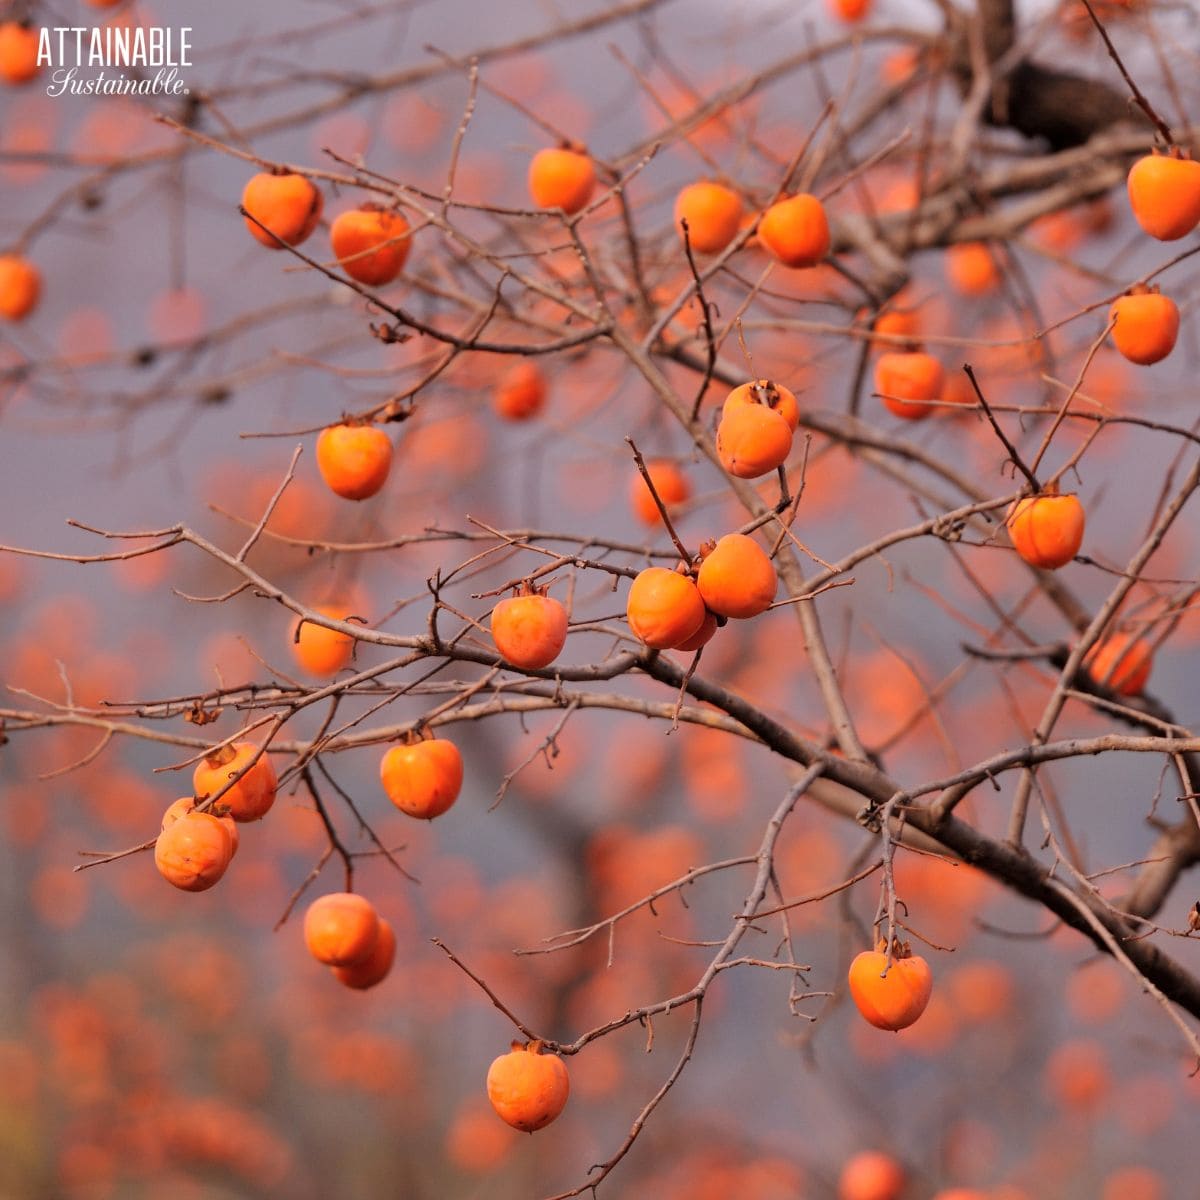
{"x":670,"y":483}
{"x":971,"y":268}
{"x":849,"y":10}
{"x":906,"y":380}
{"x":736,"y":578}
{"x":521,"y":391}
{"x":713,"y":213}
{"x":371,"y":244}
{"x":796,"y":231}
{"x":769,"y":393}
{"x":702,"y":636}
{"x":18,"y":52}
{"x":375,"y":967}
{"x":900,"y":318}
{"x":322,"y":651}
{"x":354,"y":460}
{"x":664,"y":608}
{"x":890,"y":997}
{"x":185,"y":804}
{"x":20,"y":287}
{"x":1121,"y":662}
{"x":1146,"y":325}
{"x":251,"y":797}
{"x":423,"y":778}
{"x":1046,"y":530}
{"x":529,"y":629}
{"x":528,"y":1089}
{"x":287,"y":204}
{"x":561,"y":178}
{"x":193,"y":852}
{"x":1077,"y":1075}
{"x":752,"y":440}
{"x":1164,"y":193}
{"x":341,"y":928}
{"x":871,"y":1175}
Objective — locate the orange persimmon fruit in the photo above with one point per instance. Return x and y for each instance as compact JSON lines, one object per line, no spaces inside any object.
{"x":702,"y":636}
{"x":251,"y":797}
{"x":900,"y":318}
{"x":768,"y":393}
{"x":20,"y":287}
{"x":528,"y":1089}
{"x":185,"y":804}
{"x":1121,"y":662}
{"x":529,"y":629}
{"x":971,"y":268}
{"x":322,"y":651}
{"x":752,"y":440}
{"x":849,"y":10}
{"x":287,"y":204}
{"x":193,"y":852}
{"x":1164,"y":193}
{"x":354,"y":460}
{"x":890,"y":997}
{"x":736,"y":578}
{"x":375,"y":967}
{"x":670,"y":483}
{"x":871,"y":1175}
{"x":18,"y":52}
{"x":907,"y":380}
{"x":664,"y":608}
{"x":520,"y":392}
{"x":560,"y":178}
{"x":795,"y":230}
{"x":1046,"y":530}
{"x":371,"y":244}
{"x":341,"y":928}
{"x":713,"y":213}
{"x":422,"y":778}
{"x":1146,"y":324}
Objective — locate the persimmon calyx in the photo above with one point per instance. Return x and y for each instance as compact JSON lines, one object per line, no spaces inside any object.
{"x":221,"y":756}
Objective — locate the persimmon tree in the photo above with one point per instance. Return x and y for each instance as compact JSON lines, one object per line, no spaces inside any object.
{"x":745,"y":506}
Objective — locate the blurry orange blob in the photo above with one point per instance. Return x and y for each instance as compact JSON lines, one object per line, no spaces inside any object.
{"x":981,"y":991}
{"x":476,"y":1141}
{"x":626,"y":864}
{"x":86,"y":334}
{"x":59,"y":896}
{"x":110,"y":131}
{"x":1095,"y":993}
{"x":348,"y":134}
{"x":123,"y":801}
{"x":1134,"y":1183}
{"x":29,"y":128}
{"x":714,"y":774}
{"x":971,"y":268}
{"x":25,"y":813}
{"x":177,"y":315}
{"x":634,"y":766}
{"x":1077,"y":1075}
{"x":412,"y":124}
{"x":449,"y":448}
{"x":900,"y":65}
{"x":599,"y":1073}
